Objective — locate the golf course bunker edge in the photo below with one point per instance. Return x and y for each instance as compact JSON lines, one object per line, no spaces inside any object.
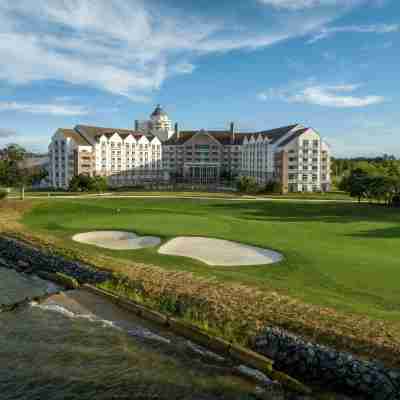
{"x":117,"y":240}
{"x":219,"y":252}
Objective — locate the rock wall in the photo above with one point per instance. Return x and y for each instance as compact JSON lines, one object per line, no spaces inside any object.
{"x":325,"y":366}
{"x":29,"y":259}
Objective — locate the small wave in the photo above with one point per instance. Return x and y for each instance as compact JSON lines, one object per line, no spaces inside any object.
{"x":137,"y":331}
{"x":147,"y":334}
{"x":256,"y":374}
{"x":71,"y":314}
{"x":203,"y":351}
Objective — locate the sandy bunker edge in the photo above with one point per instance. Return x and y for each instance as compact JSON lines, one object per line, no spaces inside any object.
{"x":219,"y":252}
{"x":116,"y":240}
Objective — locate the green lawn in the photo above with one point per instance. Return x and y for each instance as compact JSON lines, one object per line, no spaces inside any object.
{"x":337,"y":254}
{"x":338,"y":195}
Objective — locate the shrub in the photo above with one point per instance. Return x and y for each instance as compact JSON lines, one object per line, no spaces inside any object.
{"x":273,"y":187}
{"x":84,"y":183}
{"x":247,"y":184}
{"x":3,"y":194}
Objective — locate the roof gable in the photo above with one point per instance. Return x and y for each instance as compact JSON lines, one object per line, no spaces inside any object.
{"x":296,"y":134}
{"x":115,"y":137}
{"x":204,"y":133}
{"x":73,"y":135}
{"x":143,"y":140}
{"x":155,"y":140}
{"x":129,"y":139}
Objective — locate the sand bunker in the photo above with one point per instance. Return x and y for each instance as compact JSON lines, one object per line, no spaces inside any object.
{"x":117,"y":240}
{"x":219,"y":252}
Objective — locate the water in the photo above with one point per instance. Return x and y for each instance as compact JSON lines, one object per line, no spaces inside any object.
{"x":16,"y":287}
{"x":76,"y":345}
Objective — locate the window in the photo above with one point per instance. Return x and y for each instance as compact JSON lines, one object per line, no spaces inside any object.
{"x":316,"y":143}
{"x":305,"y":177}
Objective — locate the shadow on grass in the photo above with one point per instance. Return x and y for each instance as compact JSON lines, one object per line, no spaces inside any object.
{"x":384,"y":233}
{"x":308,"y":212}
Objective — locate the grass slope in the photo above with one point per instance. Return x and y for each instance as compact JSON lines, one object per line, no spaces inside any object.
{"x":336,"y":254}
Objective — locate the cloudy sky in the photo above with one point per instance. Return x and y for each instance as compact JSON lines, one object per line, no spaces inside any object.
{"x":330,"y":64}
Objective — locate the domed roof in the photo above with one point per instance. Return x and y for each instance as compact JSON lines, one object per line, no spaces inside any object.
{"x":158,"y":112}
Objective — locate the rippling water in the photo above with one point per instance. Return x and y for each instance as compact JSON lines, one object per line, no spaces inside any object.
{"x":78,"y":346}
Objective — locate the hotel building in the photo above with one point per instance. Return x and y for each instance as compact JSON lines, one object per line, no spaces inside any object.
{"x":154,"y":152}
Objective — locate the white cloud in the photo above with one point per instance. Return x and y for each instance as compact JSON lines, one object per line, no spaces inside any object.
{"x":52,"y":109}
{"x":295,"y":5}
{"x":184,"y":68}
{"x":335,"y":96}
{"x":331,"y":97}
{"x":125,"y":48}
{"x":378,"y":29}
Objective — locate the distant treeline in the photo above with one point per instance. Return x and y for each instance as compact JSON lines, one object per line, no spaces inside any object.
{"x":342,"y":166}
{"x":369,"y":178}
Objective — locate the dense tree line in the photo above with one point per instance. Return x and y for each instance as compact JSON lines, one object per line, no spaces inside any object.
{"x":343,"y":166}
{"x":13,"y":172}
{"x":374,"y":179}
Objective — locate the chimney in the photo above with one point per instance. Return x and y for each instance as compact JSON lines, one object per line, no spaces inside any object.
{"x":232,"y":131}
{"x":176,"y":130}
{"x":136,"y":125}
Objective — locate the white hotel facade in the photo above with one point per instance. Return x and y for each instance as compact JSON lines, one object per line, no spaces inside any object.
{"x":154,"y":152}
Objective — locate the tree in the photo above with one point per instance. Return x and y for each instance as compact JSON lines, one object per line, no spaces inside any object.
{"x":273,"y":187}
{"x":377,"y":187}
{"x":356,"y":184}
{"x":12,"y":170}
{"x":247,"y":184}
{"x":98,"y":184}
{"x":85,"y":183}
{"x":14,"y":152}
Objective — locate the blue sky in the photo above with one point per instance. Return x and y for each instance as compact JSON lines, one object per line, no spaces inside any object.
{"x":330,"y":64}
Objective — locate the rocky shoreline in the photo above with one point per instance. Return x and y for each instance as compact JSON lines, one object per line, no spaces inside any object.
{"x":304,"y":360}
{"x":321,"y":364}
{"x":28,"y":259}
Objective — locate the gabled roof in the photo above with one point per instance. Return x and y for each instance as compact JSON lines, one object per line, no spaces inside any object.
{"x":276,"y":134}
{"x":223,"y":137}
{"x":95,"y":132}
{"x":293,"y":136}
{"x":75,"y":136}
